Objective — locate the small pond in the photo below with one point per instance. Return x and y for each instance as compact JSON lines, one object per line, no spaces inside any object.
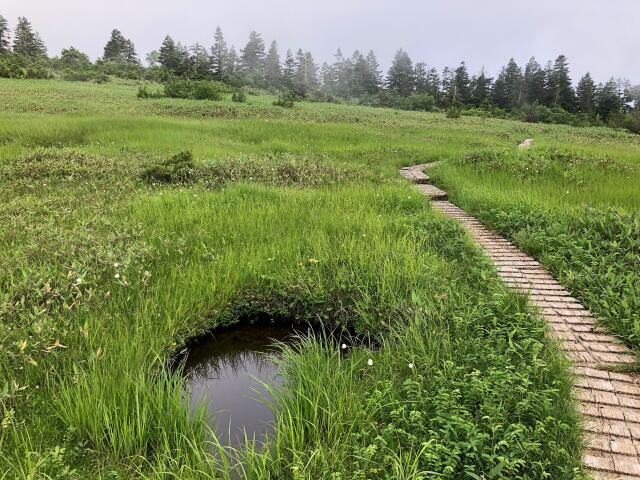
{"x":226,"y":371}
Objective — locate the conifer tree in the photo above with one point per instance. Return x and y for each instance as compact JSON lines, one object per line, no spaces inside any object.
{"x":252,"y":57}
{"x":120,"y":49}
{"x":200,"y":62}
{"x":232,"y":64}
{"x":561,"y":90}
{"x":481,"y":89}
{"x":420,"y":78}
{"x":446,"y":86}
{"x":27,"y":42}
{"x":289,"y":70}
{"x":400,"y":76}
{"x":433,"y":84}
{"x":534,"y":82}
{"x":375,"y":75}
{"x":327,"y":79}
{"x":514,"y":84}
{"x":168,"y":55}
{"x":4,"y":36}
{"x":361,"y":75}
{"x":219,"y":54}
{"x":310,"y":71}
{"x":500,"y":94}
{"x":608,"y":100}
{"x":272,"y":69}
{"x":586,"y":95}
{"x":461,"y":90}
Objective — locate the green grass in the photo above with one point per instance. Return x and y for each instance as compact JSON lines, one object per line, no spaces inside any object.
{"x":576,"y":210}
{"x":289,"y":213}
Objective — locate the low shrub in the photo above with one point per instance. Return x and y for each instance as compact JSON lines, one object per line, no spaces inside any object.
{"x":178,"y":168}
{"x":144,"y":92}
{"x":239,"y":97}
{"x":285,"y":100}
{"x":454,"y":112}
{"x":194,"y":89}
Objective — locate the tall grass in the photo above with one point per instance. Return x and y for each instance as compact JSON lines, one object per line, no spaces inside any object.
{"x":578,"y":212}
{"x":108,"y":274}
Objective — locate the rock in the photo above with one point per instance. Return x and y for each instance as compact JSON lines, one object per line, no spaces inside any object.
{"x":526,"y":143}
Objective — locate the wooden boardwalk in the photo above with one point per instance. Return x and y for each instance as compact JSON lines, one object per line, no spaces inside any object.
{"x":609,"y":402}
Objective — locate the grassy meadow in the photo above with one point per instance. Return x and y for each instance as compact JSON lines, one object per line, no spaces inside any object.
{"x":112,"y":258}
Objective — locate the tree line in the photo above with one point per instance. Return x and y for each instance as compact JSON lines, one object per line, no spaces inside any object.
{"x":532,"y":92}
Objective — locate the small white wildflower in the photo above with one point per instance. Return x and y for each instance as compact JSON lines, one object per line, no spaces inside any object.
{"x":117,"y":275}
{"x":116,"y":265}
{"x":195,"y":195}
{"x":78,"y":280}
{"x":411,"y":366}
{"x":370,"y":362}
{"x":344,"y":346}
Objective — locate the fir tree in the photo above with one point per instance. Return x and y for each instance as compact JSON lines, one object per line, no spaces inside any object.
{"x":252,"y":57}
{"x":4,"y":36}
{"x":327,"y":78}
{"x":168,"y":55}
{"x":433,"y":84}
{"x":461,"y":90}
{"x":534,"y":82}
{"x":420,"y":78}
{"x":481,"y":89}
{"x":446,"y":86}
{"x":608,"y":100}
{"x":27,"y":42}
{"x":560,"y":87}
{"x":375,"y":75}
{"x":219,"y":54}
{"x":361,"y":75}
{"x":586,"y":95}
{"x":272,"y":69}
{"x":289,"y":70}
{"x":514,"y":84}
{"x":400,"y":75}
{"x":232,"y":64}
{"x":310,"y":71}
{"x":119,"y":49}
{"x":500,"y":94}
{"x":200,"y":62}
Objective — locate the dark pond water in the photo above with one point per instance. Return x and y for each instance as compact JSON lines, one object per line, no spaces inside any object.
{"x":226,"y":374}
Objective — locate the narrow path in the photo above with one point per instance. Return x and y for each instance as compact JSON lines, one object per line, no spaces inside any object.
{"x":609,"y":402}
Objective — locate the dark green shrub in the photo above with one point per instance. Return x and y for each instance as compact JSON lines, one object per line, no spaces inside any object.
{"x":144,"y":92}
{"x":419,"y":102}
{"x":176,"y":169}
{"x":239,"y":97}
{"x":37,"y":72}
{"x":285,"y":100}
{"x":453,"y":112}
{"x":631,"y":121}
{"x":194,"y":89}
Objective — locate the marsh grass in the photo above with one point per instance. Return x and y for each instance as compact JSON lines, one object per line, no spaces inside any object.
{"x":106,"y":276}
{"x":576,"y":211}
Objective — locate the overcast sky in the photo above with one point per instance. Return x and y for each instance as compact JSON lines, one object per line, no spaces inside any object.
{"x":600,"y":36}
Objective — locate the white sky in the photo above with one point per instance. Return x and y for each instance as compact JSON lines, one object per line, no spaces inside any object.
{"x":601,"y":36}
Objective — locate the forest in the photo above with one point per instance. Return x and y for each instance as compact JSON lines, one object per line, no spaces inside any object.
{"x":533,"y":93}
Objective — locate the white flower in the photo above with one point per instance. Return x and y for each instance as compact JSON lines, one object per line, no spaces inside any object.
{"x":344,"y":345}
{"x":116,"y":265}
{"x":78,"y":280}
{"x":117,"y":275}
{"x":370,"y":362}
{"x":411,"y":365}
